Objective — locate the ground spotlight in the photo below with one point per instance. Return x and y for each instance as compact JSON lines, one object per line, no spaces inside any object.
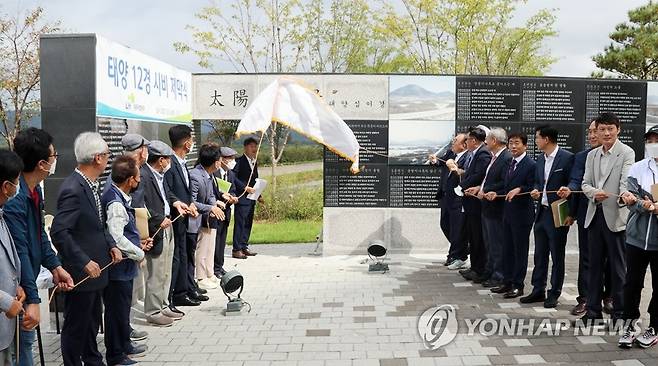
{"x":232,"y":282}
{"x":377,"y":253}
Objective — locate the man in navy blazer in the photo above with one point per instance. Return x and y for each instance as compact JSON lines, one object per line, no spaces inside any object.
{"x":552,"y":172}
{"x":473,"y":174}
{"x":492,"y":206}
{"x":577,"y":212}
{"x":244,"y":210}
{"x":84,"y":246}
{"x":452,"y":217}
{"x":184,"y":291}
{"x":518,"y":216}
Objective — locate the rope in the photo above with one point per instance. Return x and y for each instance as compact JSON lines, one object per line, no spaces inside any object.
{"x":77,"y":284}
{"x":526,"y":193}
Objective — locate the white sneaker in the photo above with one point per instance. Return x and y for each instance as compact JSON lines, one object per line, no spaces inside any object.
{"x":215,"y":279}
{"x":207,"y":284}
{"x":648,"y":338}
{"x":457,"y":264}
{"x":626,"y":340}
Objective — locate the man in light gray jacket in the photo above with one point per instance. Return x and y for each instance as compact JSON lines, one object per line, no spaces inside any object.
{"x":606,"y":170}
{"x":12,"y":295}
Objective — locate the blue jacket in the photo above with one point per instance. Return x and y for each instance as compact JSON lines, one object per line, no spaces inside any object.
{"x":558,"y":176}
{"x":578,"y":201}
{"x":26,"y":225}
{"x":242,"y":172}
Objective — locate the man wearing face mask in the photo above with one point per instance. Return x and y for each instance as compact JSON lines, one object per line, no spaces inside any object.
{"x":641,"y":245}
{"x":24,"y":218}
{"x":229,"y":198}
{"x":136,"y":147}
{"x":184,"y":291}
{"x":122,"y":225}
{"x":159,"y":311}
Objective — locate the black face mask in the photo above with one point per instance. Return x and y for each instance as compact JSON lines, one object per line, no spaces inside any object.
{"x":133,"y":190}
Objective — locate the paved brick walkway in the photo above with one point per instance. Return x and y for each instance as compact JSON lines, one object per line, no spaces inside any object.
{"x":329,"y":311}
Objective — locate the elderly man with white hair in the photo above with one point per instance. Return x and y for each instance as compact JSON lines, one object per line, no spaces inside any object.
{"x":491,"y":193}
{"x":85,"y":247}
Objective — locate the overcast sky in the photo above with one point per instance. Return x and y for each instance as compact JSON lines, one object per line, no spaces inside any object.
{"x":152,"y":26}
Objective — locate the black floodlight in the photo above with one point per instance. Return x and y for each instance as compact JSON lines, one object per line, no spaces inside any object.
{"x":231,"y":282}
{"x":377,"y":253}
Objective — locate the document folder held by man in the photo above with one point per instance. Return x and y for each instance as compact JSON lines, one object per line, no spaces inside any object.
{"x":560,"y":210}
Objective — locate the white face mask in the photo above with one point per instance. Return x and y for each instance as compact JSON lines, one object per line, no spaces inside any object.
{"x":18,"y":188}
{"x":53,"y":166}
{"x":651,"y":150}
{"x":231,"y":164}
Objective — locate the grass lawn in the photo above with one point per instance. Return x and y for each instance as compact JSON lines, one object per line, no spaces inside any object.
{"x":287,"y":180}
{"x":288,"y":231}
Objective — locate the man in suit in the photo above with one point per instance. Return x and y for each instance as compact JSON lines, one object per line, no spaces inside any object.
{"x":472,"y":176}
{"x":552,"y":172}
{"x":492,"y":206}
{"x":136,"y":147}
{"x":203,"y":196}
{"x":246,"y":172}
{"x":577,"y":212}
{"x":12,"y":295}
{"x":84,"y":246}
{"x":606,"y":172}
{"x":24,"y":216}
{"x":452,"y":217}
{"x":518,"y":215}
{"x":225,"y":173}
{"x":159,"y":311}
{"x":184,"y":291}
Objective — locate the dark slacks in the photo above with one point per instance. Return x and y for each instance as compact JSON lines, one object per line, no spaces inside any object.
{"x":179,"y":280}
{"x":452,"y":225}
{"x":191,"y":267}
{"x":244,"y":220}
{"x":515,"y":252}
{"x":605,"y":242}
{"x":220,"y":243}
{"x":82,"y":314}
{"x":637,"y":261}
{"x":583,"y":265}
{"x":117,"y":298}
{"x":473,"y":224}
{"x":550,"y":243}
{"x":493,"y":236}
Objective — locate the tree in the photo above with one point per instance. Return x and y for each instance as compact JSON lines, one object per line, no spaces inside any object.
{"x":223,"y":131}
{"x":633,"y":52}
{"x":467,"y":37}
{"x":19,"y":69}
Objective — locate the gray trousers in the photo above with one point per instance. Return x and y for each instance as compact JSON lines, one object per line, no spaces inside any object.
{"x":158,"y":275}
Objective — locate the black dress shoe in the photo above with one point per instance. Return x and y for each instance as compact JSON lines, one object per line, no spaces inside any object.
{"x":220,"y":273}
{"x":502,"y":289}
{"x":175,"y":310}
{"x":550,"y":302}
{"x":533,"y":297}
{"x":491,"y":283}
{"x":479,"y":278}
{"x":465,"y":271}
{"x":186,"y":301}
{"x":201,"y":291}
{"x":513,"y":293}
{"x":198,"y":297}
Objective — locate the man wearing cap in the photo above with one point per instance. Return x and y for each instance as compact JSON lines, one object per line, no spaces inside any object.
{"x":135,"y":146}
{"x":159,"y":259}
{"x":225,"y":173}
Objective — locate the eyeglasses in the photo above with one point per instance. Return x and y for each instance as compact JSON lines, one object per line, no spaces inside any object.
{"x":55,"y":155}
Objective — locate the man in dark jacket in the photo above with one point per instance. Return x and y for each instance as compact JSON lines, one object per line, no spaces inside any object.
{"x":492,"y":206}
{"x":473,"y":174}
{"x":184,"y":291}
{"x":518,"y":216}
{"x":452,"y":217}
{"x":246,"y":172}
{"x":84,"y":246}
{"x":24,"y":216}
